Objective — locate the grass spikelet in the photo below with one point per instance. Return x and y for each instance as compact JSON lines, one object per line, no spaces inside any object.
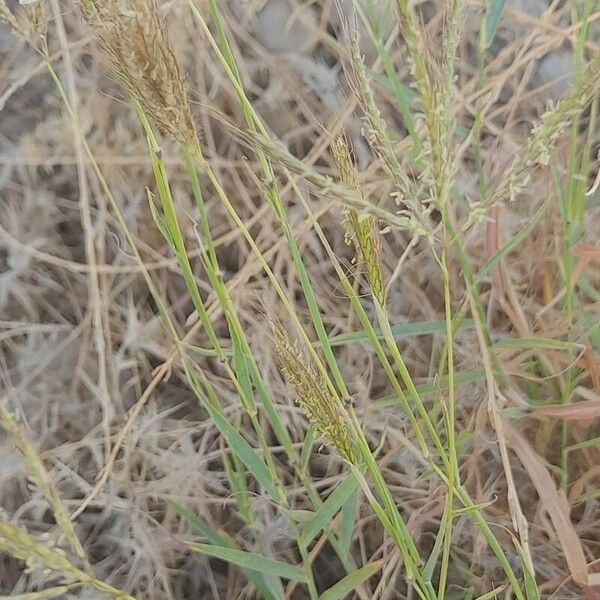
{"x":433,"y":87}
{"x":37,"y":20}
{"x":19,"y":544}
{"x":59,"y":591}
{"x":30,"y":23}
{"x":7,"y":17}
{"x":413,"y":39}
{"x":542,"y":140}
{"x":362,"y":229}
{"x":321,"y":407}
{"x":375,"y":128}
{"x":39,"y":477}
{"x":37,"y":555}
{"x":134,"y":35}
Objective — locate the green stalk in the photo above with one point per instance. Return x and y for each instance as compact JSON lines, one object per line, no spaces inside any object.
{"x":572,"y":213}
{"x":254,"y":123}
{"x":197,"y":382}
{"x":453,"y":476}
{"x":238,"y":375}
{"x":459,"y":491}
{"x":218,"y":285}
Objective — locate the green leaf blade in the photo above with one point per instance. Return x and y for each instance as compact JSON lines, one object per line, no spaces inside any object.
{"x":349,"y":583}
{"x":255,"y":562}
{"x":329,"y":508}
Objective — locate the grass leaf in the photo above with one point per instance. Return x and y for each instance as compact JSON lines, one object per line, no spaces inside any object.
{"x":400,"y":330}
{"x":251,"y":560}
{"x":492,"y":20}
{"x":329,"y":508}
{"x":349,"y":583}
{"x":514,"y":241}
{"x":222,"y":539}
{"x":244,"y":451}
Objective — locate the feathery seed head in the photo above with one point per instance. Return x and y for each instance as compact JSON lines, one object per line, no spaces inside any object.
{"x":30,"y":23}
{"x":321,"y":407}
{"x":362,"y":229}
{"x":37,"y":21}
{"x":7,"y":17}
{"x":21,"y":545}
{"x":374,"y":126}
{"x":134,"y":35}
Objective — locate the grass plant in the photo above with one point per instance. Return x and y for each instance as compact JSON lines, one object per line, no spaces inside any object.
{"x":304,"y":421}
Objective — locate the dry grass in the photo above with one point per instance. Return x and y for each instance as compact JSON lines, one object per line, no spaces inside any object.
{"x":98,"y":418}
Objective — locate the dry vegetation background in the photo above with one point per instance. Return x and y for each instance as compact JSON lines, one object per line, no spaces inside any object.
{"x":87,"y":367}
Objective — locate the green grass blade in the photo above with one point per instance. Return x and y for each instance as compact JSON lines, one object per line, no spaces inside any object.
{"x":400,"y":330}
{"x":236,"y":474}
{"x":200,"y":525}
{"x":250,"y":560}
{"x":434,"y":555}
{"x":531,"y":343}
{"x":430,"y":388}
{"x":592,"y":330}
{"x":492,"y":20}
{"x":514,"y":241}
{"x":348,"y":515}
{"x":349,"y":583}
{"x":245,"y":453}
{"x":329,"y":508}
{"x":232,"y":436}
{"x":241,"y":362}
{"x":222,"y":539}
{"x":307,"y":448}
{"x":492,"y":594}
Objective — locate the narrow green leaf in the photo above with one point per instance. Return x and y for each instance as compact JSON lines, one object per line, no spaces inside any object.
{"x":242,"y":372}
{"x":250,"y":560}
{"x":434,"y":555}
{"x":492,"y":20}
{"x":534,"y":342}
{"x":592,"y":327}
{"x":236,"y":474}
{"x":465,"y":510}
{"x":400,"y":330}
{"x":584,"y":284}
{"x":329,"y":508}
{"x":493,"y":594}
{"x":200,"y":525}
{"x":245,"y":452}
{"x":270,"y":587}
{"x":430,"y":388}
{"x":349,"y":583}
{"x":299,"y":516}
{"x":232,"y":436}
{"x":531,"y":587}
{"x":514,"y":241}
{"x":307,"y":448}
{"x":348,"y":513}
{"x":159,"y":221}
